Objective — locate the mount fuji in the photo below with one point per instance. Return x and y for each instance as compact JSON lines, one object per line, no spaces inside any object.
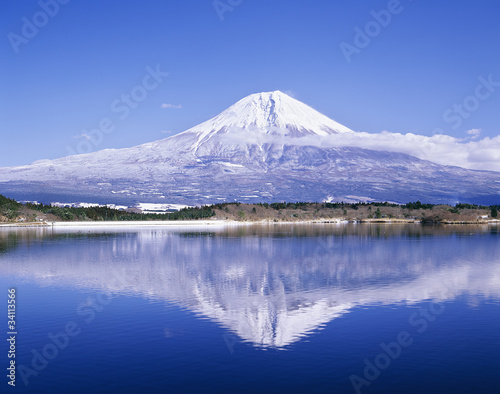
{"x":266,"y":147}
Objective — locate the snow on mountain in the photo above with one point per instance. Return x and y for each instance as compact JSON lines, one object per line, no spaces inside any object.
{"x":272,"y":113}
{"x":266,"y":147}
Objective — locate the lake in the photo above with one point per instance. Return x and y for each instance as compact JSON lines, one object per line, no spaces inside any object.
{"x":294,"y":308}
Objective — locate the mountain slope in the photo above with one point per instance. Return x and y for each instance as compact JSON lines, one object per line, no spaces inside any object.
{"x":266,"y":147}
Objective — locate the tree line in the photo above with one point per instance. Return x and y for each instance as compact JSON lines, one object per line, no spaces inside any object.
{"x":11,"y":209}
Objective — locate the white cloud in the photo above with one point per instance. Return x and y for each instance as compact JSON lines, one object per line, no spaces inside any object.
{"x":84,"y":136}
{"x":176,"y":106}
{"x":443,"y":149}
{"x":167,"y":131}
{"x":474,"y":133}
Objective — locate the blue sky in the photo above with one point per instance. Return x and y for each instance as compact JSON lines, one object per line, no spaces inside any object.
{"x":64,"y":79}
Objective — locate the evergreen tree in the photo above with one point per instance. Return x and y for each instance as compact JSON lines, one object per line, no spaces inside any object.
{"x":494,"y":212}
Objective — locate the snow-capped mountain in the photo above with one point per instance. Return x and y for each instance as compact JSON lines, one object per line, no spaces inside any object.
{"x":266,"y":147}
{"x":269,"y":113}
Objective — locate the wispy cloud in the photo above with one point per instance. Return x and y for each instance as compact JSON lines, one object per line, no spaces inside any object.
{"x":176,"y":106}
{"x":474,"y":133}
{"x":167,"y":132}
{"x":84,"y":136}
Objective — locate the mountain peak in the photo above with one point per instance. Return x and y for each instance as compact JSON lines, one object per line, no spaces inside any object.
{"x":251,"y":152}
{"x":271,"y":113}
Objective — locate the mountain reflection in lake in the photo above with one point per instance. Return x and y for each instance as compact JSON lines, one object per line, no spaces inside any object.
{"x":270,"y":286}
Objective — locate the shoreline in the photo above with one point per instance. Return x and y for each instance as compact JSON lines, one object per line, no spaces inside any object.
{"x":232,"y":223}
{"x":122,"y":223}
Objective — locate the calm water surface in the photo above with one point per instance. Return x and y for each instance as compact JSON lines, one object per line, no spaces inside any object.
{"x":280,"y":308}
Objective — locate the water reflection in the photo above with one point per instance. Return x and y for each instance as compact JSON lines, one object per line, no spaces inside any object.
{"x":270,"y":285}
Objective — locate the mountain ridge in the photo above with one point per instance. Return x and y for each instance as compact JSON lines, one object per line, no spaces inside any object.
{"x":264,"y":148}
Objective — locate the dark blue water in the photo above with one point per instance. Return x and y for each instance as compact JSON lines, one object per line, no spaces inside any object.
{"x":298,"y":309}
